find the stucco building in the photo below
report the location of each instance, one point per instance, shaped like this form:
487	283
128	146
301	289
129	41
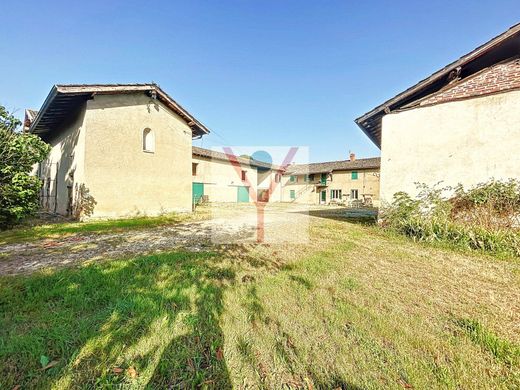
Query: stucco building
459	125
126	149
117	150
353	181
217	179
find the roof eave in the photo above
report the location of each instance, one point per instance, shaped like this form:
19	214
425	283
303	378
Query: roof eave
437	76
50	97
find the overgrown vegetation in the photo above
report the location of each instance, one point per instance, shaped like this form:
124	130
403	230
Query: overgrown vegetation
19	190
485	217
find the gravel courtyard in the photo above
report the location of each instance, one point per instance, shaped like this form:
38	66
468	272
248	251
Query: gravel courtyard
226	224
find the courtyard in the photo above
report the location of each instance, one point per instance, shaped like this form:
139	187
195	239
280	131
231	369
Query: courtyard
187	301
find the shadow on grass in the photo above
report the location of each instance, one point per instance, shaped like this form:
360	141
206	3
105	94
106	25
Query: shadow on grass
345	214
156	314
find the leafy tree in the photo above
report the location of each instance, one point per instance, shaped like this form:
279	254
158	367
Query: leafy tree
19	152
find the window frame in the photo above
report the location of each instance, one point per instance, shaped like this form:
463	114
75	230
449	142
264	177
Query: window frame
148	132
293	179
194	169
356	192
292	194
337	192
354	175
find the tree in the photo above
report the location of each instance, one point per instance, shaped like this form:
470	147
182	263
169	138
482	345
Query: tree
19	152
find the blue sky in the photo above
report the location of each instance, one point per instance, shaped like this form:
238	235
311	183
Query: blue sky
255	72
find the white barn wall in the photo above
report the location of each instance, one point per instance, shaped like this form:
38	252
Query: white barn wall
467	141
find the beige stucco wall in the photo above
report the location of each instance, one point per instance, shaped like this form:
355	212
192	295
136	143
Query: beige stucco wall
467	142
367	184
267	180
305	192
221	179
64	167
123	179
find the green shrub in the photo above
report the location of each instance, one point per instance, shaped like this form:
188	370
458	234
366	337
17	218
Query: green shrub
19	152
484	217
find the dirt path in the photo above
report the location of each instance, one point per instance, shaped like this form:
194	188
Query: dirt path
236	224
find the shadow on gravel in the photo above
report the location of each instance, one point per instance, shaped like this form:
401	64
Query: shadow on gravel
360	216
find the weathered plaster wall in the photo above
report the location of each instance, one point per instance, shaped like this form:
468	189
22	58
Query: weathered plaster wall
221	179
306	192
64	166
367	184
467	141
125	180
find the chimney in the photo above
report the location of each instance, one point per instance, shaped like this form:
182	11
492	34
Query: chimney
352	156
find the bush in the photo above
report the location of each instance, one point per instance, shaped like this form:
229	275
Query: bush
484	217
19	152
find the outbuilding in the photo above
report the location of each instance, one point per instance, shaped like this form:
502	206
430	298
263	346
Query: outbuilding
459	125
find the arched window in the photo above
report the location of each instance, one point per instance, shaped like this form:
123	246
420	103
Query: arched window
148	140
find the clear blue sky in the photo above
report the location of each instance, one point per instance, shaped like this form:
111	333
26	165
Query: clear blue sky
255	72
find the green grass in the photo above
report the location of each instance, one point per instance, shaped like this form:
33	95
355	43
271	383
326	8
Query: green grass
501	349
55	230
352	309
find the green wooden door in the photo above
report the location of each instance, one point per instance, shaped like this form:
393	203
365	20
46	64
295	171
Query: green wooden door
197	191
242	194
323	196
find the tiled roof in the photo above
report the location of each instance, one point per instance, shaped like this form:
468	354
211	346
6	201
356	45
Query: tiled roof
343	165
31	114
213	154
63	98
500	48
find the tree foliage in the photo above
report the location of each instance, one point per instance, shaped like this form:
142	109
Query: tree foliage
19	152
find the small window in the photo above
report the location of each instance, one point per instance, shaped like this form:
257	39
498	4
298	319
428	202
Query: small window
293	194
243	175
307	178
277	178
354	175
354	194
194	169
292	179
335	194
311	177
148	141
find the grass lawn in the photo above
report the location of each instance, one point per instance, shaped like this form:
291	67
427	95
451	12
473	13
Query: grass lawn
355	308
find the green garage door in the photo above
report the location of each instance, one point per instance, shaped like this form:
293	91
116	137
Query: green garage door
197	191
242	194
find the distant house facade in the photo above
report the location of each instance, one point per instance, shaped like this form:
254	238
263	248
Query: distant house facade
117	150
350	182
218	177
460	125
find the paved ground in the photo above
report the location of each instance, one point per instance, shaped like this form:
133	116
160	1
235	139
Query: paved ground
229	224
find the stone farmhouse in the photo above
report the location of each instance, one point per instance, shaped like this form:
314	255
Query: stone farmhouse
459	125
126	149
352	182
